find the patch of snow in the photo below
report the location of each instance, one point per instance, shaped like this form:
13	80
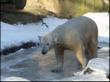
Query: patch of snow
13	78
16	34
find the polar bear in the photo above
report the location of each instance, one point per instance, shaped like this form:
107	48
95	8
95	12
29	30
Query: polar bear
79	34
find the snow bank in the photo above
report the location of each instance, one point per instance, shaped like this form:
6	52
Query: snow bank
18	33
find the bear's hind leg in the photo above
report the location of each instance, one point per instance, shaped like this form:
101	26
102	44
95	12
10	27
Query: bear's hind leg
80	55
59	53
92	50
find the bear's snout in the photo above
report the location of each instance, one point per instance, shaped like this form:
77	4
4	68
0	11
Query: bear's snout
44	50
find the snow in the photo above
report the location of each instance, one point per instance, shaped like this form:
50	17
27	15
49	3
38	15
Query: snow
14	78
18	33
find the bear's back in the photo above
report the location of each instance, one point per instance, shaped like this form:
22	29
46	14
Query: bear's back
76	29
77	24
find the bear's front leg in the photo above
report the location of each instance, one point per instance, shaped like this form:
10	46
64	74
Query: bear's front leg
59	53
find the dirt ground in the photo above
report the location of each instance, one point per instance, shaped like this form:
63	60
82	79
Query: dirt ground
30	13
32	65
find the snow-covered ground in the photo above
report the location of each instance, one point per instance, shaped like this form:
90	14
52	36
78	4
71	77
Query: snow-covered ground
18	33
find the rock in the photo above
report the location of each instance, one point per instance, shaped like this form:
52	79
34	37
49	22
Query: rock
97	69
96	66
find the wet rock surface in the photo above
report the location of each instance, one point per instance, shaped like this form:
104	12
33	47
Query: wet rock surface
31	65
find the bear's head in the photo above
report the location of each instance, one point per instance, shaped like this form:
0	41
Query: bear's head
46	43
